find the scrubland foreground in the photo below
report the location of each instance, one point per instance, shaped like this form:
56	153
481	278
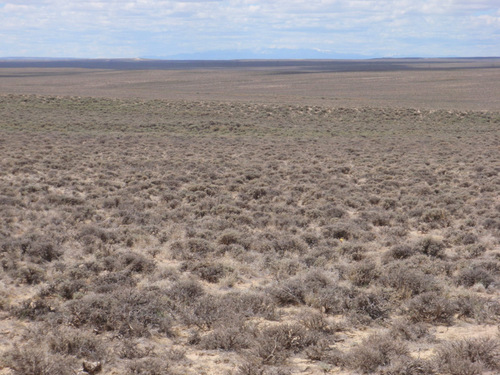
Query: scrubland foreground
195	237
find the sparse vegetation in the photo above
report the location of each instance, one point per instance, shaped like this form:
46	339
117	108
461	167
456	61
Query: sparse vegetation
190	237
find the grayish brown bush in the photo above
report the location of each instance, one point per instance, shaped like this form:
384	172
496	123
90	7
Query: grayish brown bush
38	361
431	247
376	352
206	224
83	345
431	307
276	343
130	312
469	356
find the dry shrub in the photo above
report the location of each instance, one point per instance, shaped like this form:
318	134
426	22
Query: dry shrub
378	219
131	349
288	244
400	251
475	274
315	321
409	331
491	223
340	232
185	291
64	200
481	309
468	239
432	266
316	280
230	336
4	303
208	271
34	248
110	282
209	310
364	272
405	365
375	352
68	288
149	366
370	305
303	288
32	360
289	292
407	281
474	251
311	239
276	343
194	248
353	251
335	300
436	216
90	234
230	237
277	370
323	351
320	256
469	356
297	224
431	307
205	312
30	274
133	262
130	312
431	247
43	251
251	366
332	211
250	304
34	309
83	345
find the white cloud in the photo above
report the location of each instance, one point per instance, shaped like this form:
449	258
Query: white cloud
168	27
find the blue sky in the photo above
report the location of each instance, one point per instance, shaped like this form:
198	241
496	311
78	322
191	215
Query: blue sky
138	28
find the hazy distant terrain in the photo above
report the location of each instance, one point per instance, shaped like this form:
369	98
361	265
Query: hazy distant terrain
250	217
297	65
416	83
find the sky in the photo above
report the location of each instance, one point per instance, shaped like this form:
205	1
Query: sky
252	28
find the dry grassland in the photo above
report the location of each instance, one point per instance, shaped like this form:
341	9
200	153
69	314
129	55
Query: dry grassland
466	84
248	231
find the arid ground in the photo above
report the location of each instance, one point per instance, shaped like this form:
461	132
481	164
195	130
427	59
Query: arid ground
259	219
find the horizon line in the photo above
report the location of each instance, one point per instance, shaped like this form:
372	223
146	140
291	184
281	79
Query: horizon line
166	58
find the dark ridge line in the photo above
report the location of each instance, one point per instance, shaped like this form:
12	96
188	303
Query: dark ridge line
280	66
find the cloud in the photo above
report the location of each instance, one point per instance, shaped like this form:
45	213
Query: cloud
164	27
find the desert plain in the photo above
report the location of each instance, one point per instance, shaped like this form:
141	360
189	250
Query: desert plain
250	217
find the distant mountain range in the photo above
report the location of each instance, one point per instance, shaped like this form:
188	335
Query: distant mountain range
267	54
24	58
283	60
228	55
